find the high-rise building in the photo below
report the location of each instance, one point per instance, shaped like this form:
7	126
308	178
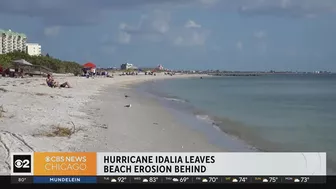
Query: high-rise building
33	49
12	41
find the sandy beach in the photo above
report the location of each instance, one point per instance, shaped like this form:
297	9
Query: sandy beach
91	116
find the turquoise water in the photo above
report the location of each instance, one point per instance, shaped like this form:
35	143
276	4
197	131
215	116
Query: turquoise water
272	113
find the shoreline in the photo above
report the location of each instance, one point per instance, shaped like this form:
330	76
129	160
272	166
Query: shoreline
230	124
191	118
35	117
145	127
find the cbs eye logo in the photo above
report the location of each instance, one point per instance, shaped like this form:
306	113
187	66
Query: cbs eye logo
22	163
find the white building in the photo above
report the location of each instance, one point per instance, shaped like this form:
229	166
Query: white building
12	41
33	49
127	66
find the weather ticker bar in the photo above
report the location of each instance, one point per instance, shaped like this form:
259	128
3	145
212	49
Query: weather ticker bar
167	179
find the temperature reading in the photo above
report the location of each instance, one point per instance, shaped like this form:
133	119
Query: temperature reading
273	179
213	179
153	179
304	179
22	179
184	179
242	179
121	179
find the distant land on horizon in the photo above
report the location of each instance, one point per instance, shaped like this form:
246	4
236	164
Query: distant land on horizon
231	71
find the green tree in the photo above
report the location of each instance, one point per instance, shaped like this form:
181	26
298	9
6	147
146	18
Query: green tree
58	66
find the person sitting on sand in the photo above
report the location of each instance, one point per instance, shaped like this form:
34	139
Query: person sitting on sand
52	83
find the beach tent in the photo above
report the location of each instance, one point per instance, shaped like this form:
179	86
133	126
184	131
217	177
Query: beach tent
22	62
89	65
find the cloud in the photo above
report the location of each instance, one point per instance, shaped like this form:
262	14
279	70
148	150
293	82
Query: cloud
125	33
108	49
239	45
88	12
191	39
161	22
156	27
52	31
152	26
192	24
260	34
184	36
80	12
124	37
209	2
288	8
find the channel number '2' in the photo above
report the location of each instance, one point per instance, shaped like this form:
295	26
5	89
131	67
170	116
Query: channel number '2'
22	164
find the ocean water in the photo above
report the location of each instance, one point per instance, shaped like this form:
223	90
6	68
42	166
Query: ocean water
271	113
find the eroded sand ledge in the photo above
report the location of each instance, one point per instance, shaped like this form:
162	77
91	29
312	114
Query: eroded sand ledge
92	113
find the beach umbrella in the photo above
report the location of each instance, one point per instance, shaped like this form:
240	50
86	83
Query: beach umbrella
89	65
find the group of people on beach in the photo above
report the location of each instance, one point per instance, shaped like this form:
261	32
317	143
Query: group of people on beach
11	72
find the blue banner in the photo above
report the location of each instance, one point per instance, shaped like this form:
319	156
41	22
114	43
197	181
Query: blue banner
65	180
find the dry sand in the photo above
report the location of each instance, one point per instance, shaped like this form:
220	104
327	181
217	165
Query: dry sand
88	117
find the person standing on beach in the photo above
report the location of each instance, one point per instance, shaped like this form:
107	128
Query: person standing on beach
93	71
